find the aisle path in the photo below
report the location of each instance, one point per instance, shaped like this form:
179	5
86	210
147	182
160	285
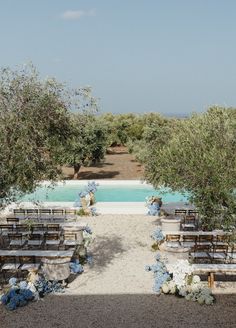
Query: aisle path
121	249
116	292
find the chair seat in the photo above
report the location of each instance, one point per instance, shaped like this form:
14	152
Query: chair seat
220	243
17	242
187	243
52	242
69	243
173	244
200	255
218	256
188	225
35	242
29	266
206	243
10	266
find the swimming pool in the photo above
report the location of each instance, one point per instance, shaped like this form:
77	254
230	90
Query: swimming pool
132	192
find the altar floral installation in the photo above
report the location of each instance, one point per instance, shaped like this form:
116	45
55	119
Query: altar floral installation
179	280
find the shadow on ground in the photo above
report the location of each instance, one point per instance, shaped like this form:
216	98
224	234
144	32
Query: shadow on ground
121	311
97	175
104	250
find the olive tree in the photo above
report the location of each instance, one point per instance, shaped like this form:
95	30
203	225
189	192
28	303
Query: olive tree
197	156
86	144
33	120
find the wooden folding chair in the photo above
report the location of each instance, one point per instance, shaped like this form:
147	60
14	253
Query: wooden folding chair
188	241
189	223
205	240
52	240
69	239
19	213
219	253
200	253
70	214
9	265
53	227
12	220
58	215
16	240
28	263
180	212
45	214
193	212
172	240
35	240
38	228
32	213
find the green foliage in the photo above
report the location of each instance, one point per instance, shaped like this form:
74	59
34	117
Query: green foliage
33	119
39	130
122	128
86	143
197	155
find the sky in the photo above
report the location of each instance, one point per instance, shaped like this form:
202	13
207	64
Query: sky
174	57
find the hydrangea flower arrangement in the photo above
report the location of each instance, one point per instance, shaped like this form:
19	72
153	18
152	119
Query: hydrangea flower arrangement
83	193
158	236
153	204
92	187
44	286
87	236
21	293
179	280
161	275
18	295
76	267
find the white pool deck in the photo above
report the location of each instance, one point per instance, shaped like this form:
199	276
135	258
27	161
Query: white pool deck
102	207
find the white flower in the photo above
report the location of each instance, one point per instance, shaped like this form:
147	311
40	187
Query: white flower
196	279
165	288
201	300
183	291
188	297
209	300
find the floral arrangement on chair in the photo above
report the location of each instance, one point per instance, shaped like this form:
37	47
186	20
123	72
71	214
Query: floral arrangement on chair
179	280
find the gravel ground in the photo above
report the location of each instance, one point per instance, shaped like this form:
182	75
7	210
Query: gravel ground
116	291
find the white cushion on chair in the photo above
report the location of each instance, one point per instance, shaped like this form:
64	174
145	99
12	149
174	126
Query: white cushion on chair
29	266
10	266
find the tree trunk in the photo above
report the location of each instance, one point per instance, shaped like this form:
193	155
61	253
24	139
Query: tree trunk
77	167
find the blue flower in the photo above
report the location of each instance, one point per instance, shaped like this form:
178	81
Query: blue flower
89	260
93	211
23	284
12	281
11	305
83	193
88	230
157	235
4	299
27	294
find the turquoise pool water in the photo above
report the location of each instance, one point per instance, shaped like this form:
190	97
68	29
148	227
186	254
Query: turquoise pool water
128	193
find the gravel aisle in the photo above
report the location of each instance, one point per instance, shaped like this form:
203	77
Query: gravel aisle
116	291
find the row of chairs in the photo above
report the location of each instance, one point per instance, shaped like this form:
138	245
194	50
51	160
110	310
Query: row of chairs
44	213
189	219
24	227
14	266
39	235
186	212
47	240
205	247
